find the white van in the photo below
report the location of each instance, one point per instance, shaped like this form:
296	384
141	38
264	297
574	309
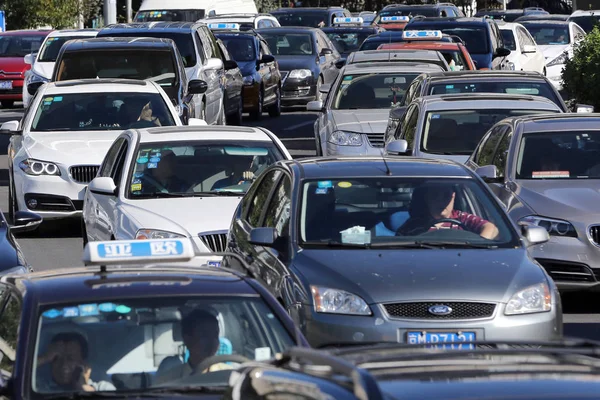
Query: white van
190	10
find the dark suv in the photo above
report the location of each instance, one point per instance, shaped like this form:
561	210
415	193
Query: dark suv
412	10
314	17
481	36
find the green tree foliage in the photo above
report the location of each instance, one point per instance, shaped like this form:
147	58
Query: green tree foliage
580	74
59	14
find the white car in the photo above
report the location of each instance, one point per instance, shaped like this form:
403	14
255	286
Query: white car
245	21
176	182
57	147
586	19
556	39
524	55
42	62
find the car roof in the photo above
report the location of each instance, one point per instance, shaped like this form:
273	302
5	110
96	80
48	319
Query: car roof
448	21
546	22
350	28
213	132
585	12
118	42
74	32
415	67
99	85
486	100
424	45
294	29
484	75
387	55
27	32
558	122
165	26
373	166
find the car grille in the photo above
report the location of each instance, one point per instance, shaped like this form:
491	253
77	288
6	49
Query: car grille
460	310
215	241
376	139
564	271
83	173
595	234
14	90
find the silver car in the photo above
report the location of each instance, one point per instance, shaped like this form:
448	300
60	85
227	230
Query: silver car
450	126
354	115
545	169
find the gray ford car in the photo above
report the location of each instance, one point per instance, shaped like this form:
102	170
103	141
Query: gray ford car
545	169
405	250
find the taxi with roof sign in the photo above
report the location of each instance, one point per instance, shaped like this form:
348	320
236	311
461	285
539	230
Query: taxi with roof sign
348	33
130	323
393	22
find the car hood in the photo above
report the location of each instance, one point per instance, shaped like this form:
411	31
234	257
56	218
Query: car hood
13	64
70	148
43	69
188	215
289	63
361	121
566	199
552	51
380	276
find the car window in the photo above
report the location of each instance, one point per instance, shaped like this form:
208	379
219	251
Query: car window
455	59
408	128
278	211
241	48
117	173
19	45
114	111
586	22
371	91
110	159
264	48
548	34
196	168
510	42
476	38
161	14
261	196
10	320
486	150
579	34
301	18
290	44
501	154
347	42
49	50
527	39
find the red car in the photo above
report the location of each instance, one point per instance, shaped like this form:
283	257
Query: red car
14	46
456	52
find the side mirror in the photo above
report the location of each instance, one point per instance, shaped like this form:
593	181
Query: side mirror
213	63
29	59
502	52
325	88
316	105
326	52
584	109
230	64
10	127
397	147
267	58
196	122
263	236
32	88
197	86
535	234
340	63
489	173
528	48
25	221
103	185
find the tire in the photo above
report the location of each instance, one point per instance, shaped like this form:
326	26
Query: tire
236	119
84	233
7	103
275	108
256	114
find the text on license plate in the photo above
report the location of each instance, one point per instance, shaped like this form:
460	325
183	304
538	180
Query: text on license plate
444	340
6	85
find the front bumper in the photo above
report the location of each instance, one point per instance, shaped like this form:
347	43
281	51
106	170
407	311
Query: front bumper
326	329
372	146
554	75
16	93
297	93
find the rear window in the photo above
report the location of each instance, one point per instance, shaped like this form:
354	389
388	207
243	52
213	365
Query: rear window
476	38
169	15
310	19
587	22
144	64
19	46
51	48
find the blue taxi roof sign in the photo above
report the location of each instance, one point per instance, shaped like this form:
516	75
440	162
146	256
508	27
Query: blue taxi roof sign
395	18
422	35
224	26
152	251
348	21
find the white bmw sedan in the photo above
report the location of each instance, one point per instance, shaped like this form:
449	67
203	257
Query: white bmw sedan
57	147
176	182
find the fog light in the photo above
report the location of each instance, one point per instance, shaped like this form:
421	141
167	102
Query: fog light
32	203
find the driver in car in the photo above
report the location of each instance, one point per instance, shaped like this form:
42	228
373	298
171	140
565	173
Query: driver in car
438	213
238	171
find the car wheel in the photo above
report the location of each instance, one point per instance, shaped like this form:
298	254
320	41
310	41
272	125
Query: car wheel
256	114
7	103
12	203
84	233
275	108
236	118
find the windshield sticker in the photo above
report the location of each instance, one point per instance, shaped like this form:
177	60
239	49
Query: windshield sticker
58	98
88	309
321	191
348	78
325	184
122	309
107	307
52	313
48	99
345	185
138	174
356	235
435	116
155	159
136	187
550	174
137	181
449	86
142	160
69	312
152	165
83	124
262	353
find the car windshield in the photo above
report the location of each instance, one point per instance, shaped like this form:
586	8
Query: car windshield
542	89
169	15
101	112
50	49
388	211
241	48
289	44
299	18
183	41
151	343
407	12
559	155
19	46
371	90
508	37
149	64
200	168
548	34
458	132
475	39
347	42
586	22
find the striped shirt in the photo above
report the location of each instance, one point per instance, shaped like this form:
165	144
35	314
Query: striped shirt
471	222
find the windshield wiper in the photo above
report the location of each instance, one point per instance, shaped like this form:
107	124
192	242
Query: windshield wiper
403	244
425	244
335	243
158	195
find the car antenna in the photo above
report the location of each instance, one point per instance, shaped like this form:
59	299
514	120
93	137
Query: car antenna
388	171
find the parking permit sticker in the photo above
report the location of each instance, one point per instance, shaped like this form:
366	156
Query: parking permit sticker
152	165
435	116
48	99
324	184
53	313
142	160
155	159
262	353
107	307
550	174
345	185
69	312
88	310
136	186
58	98
321	191
348	78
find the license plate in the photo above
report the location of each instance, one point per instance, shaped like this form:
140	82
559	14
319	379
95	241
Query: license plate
443	340
6	85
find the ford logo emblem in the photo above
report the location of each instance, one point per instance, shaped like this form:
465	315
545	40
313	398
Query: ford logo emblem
440	310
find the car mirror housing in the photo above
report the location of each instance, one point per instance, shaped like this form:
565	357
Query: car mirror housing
502	52
487	172
263	237
316	105
340	63
197	86
32	88
326	52
230	64
11	126
103	185
535	234
213	63
25	221
29	59
584	109
267	58
397	147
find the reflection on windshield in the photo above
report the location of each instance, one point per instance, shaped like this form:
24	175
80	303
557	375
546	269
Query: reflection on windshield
395	210
559	155
169	15
298	18
548	34
347	42
459	132
407	12
509	39
151	343
371	90
289	44
101	112
185	169
586	22
240	48
19	46
49	51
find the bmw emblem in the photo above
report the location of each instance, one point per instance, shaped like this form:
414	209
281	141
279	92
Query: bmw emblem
440	309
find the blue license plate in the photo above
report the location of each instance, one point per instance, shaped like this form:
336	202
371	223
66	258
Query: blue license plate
214	263
6	85
443	340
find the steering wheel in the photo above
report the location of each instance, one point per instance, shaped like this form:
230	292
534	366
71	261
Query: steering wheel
210	361
451	221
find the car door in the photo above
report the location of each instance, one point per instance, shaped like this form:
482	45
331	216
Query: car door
486	153
535	61
233	83
266	71
327	61
215	79
11	309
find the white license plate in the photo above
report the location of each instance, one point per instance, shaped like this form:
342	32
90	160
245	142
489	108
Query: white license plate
6	85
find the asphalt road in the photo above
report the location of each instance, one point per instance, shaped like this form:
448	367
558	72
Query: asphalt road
59	246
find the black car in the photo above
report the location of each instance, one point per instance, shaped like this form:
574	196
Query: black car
154	59
546	17
12	260
313	17
412	10
142	327
349	38
306	59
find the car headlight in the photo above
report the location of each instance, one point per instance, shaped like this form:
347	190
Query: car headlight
300	74
249	80
335	301
37	167
532	299
15	270
558	60
511	66
555	227
144	234
342	138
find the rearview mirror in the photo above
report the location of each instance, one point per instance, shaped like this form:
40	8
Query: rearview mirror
213	63
197	86
263	236
230	64
25	221
397	147
196	122
103	186
316	105
326	52
584	109
340	63
535	234
502	52
529	48
29	59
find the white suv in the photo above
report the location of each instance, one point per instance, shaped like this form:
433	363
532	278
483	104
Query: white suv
246	21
